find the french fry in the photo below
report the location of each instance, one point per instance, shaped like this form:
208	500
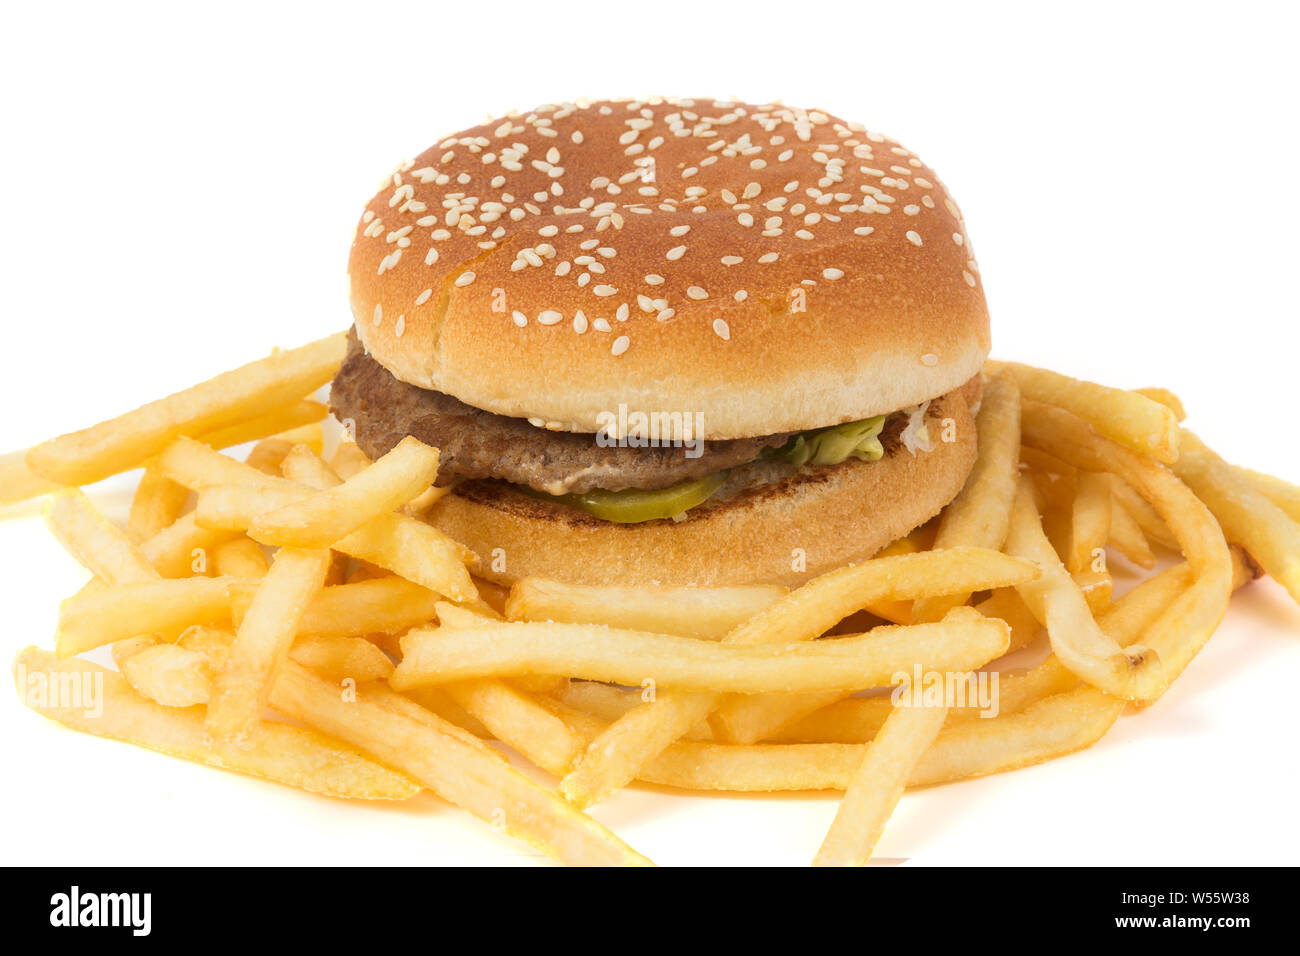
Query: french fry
980	515
92	619
817	606
158	502
413	550
378	606
18	482
465	615
349	460
425	707
1140	510
1128	418
278	421
1058	603
267	455
440	759
240	558
341	658
1282	493
172	675
213	643
1047	729
181	548
515	718
404	545
425	500
494	595
234	508
595	652
878	783
330	515
262	643
806	613
1248	517
122	443
104	550
1006	604
282	753
1090	522
1166	398
1097	587
706	613
609	702
436	701
1188	623
856	720
96	544
307	468
310	436
1126	537
196	466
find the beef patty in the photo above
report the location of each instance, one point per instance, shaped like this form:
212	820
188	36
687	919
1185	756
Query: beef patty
474	443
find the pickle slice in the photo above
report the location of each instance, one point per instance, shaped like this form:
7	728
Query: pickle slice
633	505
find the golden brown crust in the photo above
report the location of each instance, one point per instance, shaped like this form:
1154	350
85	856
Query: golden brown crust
842	324
831	516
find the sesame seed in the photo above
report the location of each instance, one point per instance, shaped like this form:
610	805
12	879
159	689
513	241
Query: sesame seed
741	295
675	253
520	319
833	274
722	329
695	292
930	359
400	327
622	312
600	324
378	314
676	231
732	260
768	257
423	297
464	279
913	237
579	322
549	317
653	279
604	290
911	210
620	345
970	279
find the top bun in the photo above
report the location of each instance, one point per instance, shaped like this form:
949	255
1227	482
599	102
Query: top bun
770	268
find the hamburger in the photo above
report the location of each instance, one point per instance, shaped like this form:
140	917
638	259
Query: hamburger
673	341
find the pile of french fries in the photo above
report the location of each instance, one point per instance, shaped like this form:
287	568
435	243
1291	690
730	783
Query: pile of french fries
241	593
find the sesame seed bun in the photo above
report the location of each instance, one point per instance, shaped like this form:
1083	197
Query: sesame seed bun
770	268
832	516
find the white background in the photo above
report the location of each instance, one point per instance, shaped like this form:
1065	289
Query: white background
179	187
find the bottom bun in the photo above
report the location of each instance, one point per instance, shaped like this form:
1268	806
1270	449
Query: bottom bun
784	532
